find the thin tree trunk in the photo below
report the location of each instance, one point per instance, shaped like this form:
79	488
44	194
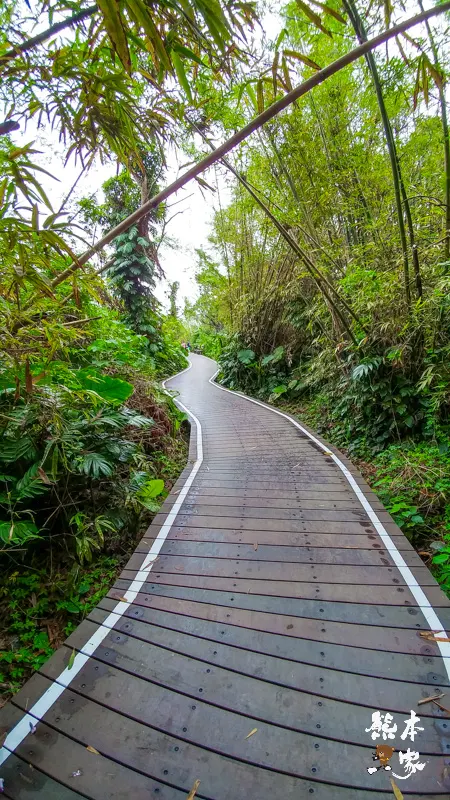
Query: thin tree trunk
313	270
359	29
443	105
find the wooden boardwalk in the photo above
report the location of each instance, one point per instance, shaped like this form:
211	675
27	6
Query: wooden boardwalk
272	596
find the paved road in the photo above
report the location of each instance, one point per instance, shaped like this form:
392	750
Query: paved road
271	610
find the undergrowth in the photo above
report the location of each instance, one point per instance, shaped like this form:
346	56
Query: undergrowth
44	599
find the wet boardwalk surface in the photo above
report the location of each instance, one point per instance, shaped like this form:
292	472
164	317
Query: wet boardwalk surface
268	597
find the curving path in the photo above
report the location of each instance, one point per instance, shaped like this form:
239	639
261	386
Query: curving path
272	607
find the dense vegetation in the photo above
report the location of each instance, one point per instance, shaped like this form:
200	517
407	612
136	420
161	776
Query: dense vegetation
90	444
327	290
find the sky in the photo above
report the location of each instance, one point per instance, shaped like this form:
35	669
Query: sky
188	229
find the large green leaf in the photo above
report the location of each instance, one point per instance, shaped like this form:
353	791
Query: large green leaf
246	356
111	389
148	492
95	465
18	532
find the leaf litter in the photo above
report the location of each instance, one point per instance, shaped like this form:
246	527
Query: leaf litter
430	699
396	790
251	733
432	636
193	791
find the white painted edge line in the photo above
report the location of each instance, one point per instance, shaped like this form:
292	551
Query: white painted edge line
28	722
412	584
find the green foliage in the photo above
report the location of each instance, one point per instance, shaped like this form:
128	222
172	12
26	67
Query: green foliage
103	87
111	389
132	277
39	609
240	368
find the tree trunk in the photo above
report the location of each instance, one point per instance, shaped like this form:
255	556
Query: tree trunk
359	29
444	117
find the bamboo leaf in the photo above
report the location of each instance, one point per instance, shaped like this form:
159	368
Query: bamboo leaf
416	87
185	51
3	188
71	659
252	96
286	74
143	17
402	52
304	59
181	75
35	217
193	791
260	96
396	790
313	17
331	11
205	185
114	27
275	70
425	82
388	9
282	35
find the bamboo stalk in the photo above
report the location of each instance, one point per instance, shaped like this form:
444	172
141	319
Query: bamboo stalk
30	44
399	189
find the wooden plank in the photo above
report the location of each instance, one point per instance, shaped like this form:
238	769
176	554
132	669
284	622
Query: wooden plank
233	756
352	635
312	494
362	614
22	779
261	523
263	501
339	593
362	541
423	669
237	482
345	686
292	555
152	672
71	771
279	514
282	571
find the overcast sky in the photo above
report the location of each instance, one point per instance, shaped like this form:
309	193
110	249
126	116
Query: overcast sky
190	228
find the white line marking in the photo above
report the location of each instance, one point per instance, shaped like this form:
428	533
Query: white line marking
412	584
39	709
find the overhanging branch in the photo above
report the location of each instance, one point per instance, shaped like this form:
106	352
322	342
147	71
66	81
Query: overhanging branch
244	133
